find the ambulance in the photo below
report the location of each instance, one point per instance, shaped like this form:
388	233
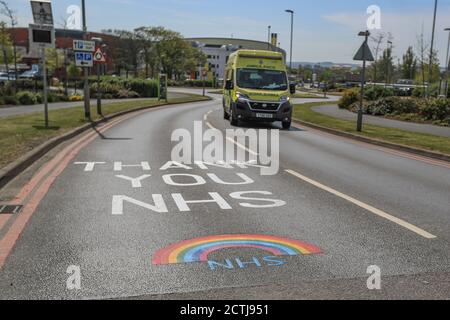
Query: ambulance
257	88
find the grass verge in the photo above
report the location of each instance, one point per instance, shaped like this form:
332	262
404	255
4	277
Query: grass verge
304	112
21	134
309	96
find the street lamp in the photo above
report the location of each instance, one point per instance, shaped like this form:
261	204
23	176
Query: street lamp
430	71
447	62
87	102
388	65
366	35
292	35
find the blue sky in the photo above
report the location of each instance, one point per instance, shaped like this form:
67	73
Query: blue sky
325	30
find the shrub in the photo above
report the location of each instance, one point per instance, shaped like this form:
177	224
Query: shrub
376	92
144	88
113	86
11	100
39	97
75	98
26	98
350	97
435	109
392	105
127	94
2	101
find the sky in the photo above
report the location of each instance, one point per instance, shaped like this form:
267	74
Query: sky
324	30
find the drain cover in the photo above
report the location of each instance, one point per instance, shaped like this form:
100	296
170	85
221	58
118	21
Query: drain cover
10	209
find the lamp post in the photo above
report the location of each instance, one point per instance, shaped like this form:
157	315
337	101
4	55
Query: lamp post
447	61
430	71
87	102
388	66
292	36
366	35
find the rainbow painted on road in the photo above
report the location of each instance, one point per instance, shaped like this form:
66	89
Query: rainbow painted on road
198	250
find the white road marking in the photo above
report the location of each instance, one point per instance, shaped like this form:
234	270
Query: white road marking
365	206
228	138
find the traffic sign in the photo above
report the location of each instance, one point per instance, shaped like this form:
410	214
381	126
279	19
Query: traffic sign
82	45
42	36
84	59
364	53
42	12
99	56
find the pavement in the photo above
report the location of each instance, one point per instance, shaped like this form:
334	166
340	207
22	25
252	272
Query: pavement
334	111
351	205
21	110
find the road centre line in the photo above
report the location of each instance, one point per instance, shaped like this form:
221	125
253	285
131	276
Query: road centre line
228	138
365	206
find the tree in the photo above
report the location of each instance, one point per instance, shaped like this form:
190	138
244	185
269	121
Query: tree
74	73
6	56
422	48
386	64
378	39
409	65
127	52
10	14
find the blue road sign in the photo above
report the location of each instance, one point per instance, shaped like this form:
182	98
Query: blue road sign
84	59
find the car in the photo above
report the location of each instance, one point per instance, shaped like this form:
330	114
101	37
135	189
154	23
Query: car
257	88
4	77
31	75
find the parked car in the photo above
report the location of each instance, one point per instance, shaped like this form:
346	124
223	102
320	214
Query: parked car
31	75
4	77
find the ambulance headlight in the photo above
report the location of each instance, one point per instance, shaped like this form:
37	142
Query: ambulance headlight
242	97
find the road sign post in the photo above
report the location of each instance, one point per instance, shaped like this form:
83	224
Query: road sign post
84	57
99	59
364	54
162	87
42	35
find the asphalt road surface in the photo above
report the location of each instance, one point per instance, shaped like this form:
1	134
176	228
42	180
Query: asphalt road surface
350	205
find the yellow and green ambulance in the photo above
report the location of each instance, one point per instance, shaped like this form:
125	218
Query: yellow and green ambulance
257	88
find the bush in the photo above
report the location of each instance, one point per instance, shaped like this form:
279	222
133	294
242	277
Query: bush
127	94
76	98
350	97
114	87
435	109
39	97
2	101
393	106
11	100
26	98
377	92
144	88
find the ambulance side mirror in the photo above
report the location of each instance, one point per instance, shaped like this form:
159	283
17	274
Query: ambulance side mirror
229	85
